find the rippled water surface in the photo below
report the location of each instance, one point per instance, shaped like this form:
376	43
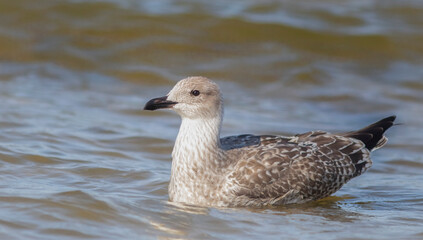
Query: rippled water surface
79	159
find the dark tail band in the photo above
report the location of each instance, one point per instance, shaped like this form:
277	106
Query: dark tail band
373	135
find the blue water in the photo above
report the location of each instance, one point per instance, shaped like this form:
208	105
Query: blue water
79	159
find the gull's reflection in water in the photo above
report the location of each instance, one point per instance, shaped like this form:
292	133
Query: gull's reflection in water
178	220
333	208
187	208
182	220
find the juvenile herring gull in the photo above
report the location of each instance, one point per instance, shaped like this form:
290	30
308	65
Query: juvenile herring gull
252	170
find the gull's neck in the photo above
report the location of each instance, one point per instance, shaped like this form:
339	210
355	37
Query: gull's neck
196	160
198	140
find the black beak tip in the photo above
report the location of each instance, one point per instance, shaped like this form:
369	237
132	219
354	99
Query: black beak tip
157	103
149	107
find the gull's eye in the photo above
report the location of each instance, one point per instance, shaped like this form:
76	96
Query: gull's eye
195	92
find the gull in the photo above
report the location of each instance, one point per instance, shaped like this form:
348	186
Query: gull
256	170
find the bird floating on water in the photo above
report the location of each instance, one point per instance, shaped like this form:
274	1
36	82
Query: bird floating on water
254	170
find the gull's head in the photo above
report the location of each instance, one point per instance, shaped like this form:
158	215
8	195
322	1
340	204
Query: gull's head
193	97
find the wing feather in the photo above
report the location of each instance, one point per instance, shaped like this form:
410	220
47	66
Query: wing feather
304	167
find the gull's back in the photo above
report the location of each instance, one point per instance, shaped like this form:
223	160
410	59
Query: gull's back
274	170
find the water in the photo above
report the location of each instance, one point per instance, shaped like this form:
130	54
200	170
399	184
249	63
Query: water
80	160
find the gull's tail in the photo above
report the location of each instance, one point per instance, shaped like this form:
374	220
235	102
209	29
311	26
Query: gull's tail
373	135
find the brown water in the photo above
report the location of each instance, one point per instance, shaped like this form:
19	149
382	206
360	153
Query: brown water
80	160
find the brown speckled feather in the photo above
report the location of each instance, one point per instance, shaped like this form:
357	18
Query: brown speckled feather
308	166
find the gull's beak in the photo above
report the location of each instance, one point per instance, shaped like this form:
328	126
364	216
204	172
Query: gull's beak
157	103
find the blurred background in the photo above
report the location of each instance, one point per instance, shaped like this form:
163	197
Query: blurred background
80	159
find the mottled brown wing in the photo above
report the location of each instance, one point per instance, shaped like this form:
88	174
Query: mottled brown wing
309	166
